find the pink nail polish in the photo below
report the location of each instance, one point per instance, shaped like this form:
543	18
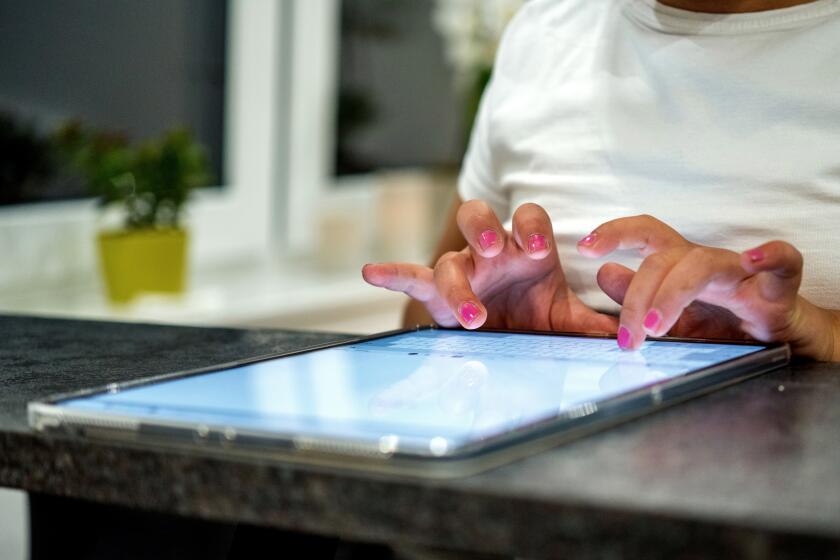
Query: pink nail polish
623	337
487	239
652	320
755	255
589	239
536	243
469	311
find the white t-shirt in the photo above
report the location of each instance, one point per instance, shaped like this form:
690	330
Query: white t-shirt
726	127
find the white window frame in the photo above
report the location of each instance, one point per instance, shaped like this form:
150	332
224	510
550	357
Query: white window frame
311	188
53	242
312	71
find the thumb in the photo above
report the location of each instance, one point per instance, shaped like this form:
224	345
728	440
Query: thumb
614	279
782	264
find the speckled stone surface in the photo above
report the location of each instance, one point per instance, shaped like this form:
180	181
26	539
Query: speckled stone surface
750	471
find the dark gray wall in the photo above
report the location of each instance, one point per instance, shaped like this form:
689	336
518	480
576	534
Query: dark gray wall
138	66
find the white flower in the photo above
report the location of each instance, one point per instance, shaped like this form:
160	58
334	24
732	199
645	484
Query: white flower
471	30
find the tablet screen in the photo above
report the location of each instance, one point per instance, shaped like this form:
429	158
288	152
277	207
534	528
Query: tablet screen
434	385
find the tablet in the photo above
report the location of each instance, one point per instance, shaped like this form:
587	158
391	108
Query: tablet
429	402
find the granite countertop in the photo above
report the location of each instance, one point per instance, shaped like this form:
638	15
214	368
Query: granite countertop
752	470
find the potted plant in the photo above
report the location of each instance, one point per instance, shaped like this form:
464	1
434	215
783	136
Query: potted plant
151	184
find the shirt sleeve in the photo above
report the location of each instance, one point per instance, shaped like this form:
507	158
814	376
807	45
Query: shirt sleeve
481	170
478	179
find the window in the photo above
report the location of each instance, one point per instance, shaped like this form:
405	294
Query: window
131	69
396	104
369	91
49	244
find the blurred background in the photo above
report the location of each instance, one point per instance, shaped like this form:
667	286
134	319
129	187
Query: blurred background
221	162
287	143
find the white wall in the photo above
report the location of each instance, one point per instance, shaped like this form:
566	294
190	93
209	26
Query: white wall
14	525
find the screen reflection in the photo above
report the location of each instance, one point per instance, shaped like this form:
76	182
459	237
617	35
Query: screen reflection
427	384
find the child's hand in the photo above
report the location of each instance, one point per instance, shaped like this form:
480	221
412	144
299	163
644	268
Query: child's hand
755	292
501	280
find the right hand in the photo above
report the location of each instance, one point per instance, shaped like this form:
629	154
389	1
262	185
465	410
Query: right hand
506	280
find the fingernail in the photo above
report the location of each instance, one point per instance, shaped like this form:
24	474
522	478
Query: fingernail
536	243
623	337
652	320
487	239
469	311
755	255
589	239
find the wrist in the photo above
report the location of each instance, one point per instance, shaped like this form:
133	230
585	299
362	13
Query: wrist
816	332
835	332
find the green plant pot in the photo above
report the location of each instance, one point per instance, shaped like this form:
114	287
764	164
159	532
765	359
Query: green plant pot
139	261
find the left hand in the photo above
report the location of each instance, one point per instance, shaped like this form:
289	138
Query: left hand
509	280
687	289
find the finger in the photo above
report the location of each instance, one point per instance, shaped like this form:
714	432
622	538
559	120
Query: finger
701	268
613	279
532	231
414	280
637	317
452	283
481	228
782	261
645	233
